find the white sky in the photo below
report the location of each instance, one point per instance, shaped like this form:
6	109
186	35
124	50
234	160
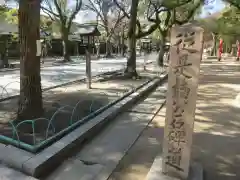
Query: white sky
81	17
85	16
2	2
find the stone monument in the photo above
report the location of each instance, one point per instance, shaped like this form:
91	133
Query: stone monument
185	57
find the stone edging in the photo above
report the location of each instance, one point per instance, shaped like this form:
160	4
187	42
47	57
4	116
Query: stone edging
38	164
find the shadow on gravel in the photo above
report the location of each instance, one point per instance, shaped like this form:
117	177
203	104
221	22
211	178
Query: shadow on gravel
63	107
121	77
62	110
216	142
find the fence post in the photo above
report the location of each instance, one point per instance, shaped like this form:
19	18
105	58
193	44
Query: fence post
88	69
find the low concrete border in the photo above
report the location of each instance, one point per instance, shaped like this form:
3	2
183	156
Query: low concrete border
155	173
211	57
37	165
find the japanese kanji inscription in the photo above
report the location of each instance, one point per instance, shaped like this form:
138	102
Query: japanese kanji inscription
184	67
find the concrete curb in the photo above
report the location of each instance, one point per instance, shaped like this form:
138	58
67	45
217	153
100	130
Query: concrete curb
211	57
10	174
155	173
38	165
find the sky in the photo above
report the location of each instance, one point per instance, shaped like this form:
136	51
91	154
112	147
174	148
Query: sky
216	5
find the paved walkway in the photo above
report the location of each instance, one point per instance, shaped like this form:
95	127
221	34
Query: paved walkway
108	89
216	142
217	124
217	128
56	75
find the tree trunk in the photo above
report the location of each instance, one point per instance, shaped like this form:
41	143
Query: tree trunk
122	44
5	59
232	51
131	60
30	101
4	54
108	49
65	43
162	49
98	51
214	49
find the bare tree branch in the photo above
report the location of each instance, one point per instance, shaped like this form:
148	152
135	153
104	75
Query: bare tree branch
60	12
73	15
93	8
122	9
49	13
189	14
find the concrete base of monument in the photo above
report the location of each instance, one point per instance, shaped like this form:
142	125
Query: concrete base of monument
155	173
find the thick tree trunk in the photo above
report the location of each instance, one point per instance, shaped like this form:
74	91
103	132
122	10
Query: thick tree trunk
232	51
131	60
98	51
108	49
65	43
5	59
122	43
4	54
108	46
162	50
122	50
30	101
214	49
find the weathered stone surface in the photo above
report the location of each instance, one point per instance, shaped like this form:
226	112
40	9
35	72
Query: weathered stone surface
196	171
74	170
38	163
151	103
14	157
185	57
2	147
155	173
10	174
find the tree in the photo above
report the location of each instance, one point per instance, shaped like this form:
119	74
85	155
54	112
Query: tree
178	14
212	26
152	11
235	3
120	35
30	100
135	31
63	12
223	25
109	15
11	15
8	23
229	26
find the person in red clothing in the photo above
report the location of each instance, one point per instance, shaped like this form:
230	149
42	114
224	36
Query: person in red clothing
238	50
220	50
